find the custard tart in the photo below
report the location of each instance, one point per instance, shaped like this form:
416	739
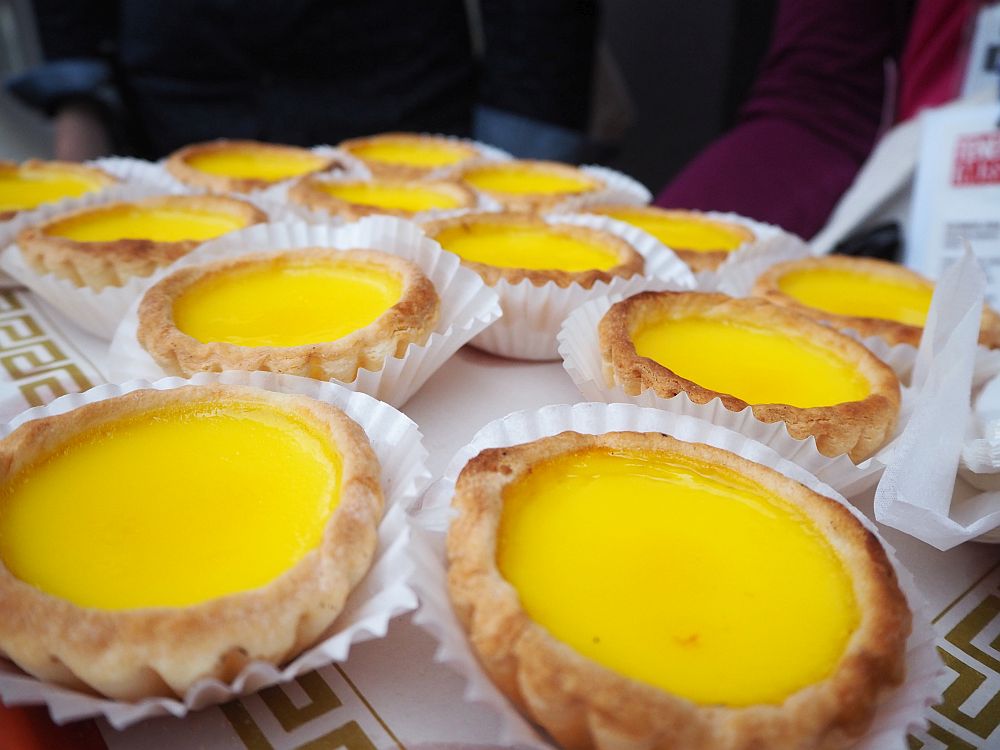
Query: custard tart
155	539
528	185
872	297
107	245
225	166
354	199
632	590
26	186
747	352
316	312
410	156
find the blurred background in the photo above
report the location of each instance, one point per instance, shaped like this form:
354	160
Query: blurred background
669	108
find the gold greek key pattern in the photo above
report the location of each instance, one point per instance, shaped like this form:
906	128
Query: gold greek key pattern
275	717
968	716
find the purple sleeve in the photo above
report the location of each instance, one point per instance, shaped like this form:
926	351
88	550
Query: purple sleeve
812	117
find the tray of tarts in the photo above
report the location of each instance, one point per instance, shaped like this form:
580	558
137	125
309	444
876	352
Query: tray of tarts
108	244
868	296
234	166
30	184
414	156
125	612
351	199
318	312
715	661
747	352
703	241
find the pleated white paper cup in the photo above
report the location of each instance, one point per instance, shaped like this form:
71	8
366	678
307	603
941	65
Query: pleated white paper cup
383	594
580	350
467	304
99	312
532	315
902	712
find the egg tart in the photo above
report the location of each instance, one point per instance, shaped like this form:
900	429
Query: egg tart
243	166
408	156
154	539
26	186
869	296
354	199
106	245
316	312
747	352
618	590
527	185
701	241
517	246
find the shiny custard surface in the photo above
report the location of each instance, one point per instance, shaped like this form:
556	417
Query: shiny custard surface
171	507
396	197
859	295
286	303
247	163
525	246
677	573
136	222
680	233
410	153
756	364
524	179
24	188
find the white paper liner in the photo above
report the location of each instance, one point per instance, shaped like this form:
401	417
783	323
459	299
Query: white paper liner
581	354
533	314
467	304
902	712
100	312
980	460
383	594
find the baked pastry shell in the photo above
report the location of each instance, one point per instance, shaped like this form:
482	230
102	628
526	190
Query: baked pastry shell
131	654
308	192
102	178
630	262
583	704
410	321
594	184
857	428
696	260
177	164
102	264
470	150
891	331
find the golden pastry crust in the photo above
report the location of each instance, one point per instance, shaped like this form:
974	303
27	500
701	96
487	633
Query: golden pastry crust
131	654
409	321
891	331
858	428
355	146
585	705
101	264
630	261
99	176
696	260
178	165
309	192
536	202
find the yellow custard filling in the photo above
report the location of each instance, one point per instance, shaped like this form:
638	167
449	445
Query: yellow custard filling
756	364
677	573
525	246
682	234
391	196
410	153
145	223
25	188
859	295
171	507
286	303
520	179
255	164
